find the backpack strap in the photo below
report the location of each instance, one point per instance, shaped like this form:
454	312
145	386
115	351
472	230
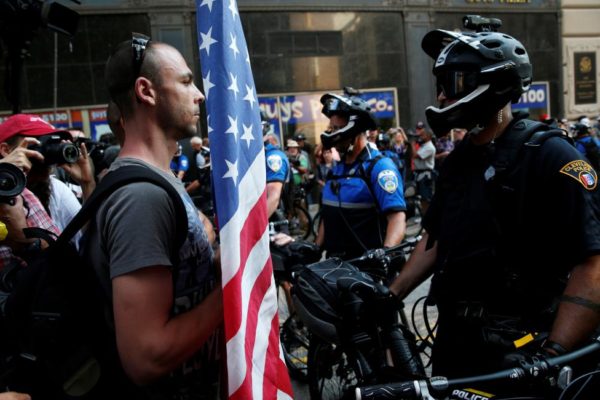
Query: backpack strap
516	152
119	178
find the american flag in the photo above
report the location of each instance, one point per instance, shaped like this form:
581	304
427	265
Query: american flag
255	366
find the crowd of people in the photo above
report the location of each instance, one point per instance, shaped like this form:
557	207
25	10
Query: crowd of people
491	211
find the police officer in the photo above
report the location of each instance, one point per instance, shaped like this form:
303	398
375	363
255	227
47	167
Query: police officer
277	167
513	229
363	200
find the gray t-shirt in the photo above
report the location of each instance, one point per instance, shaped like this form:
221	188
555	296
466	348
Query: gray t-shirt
135	228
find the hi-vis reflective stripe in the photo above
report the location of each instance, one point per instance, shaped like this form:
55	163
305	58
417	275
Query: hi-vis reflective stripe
334	203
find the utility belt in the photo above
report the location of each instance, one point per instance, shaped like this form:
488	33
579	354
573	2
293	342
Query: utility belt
498	330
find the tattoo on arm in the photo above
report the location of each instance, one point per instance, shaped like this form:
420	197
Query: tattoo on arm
581	302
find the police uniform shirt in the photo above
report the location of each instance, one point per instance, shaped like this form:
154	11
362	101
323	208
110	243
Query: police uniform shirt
474	216
354	210
277	164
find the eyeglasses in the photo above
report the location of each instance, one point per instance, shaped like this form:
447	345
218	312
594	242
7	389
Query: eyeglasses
139	42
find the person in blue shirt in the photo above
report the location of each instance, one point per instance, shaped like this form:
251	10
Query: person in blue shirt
277	168
587	144
179	163
363	198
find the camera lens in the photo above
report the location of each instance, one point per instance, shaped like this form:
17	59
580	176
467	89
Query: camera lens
70	153
12	181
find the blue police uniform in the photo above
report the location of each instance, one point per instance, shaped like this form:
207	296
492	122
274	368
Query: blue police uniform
356	199
391	154
278	165
179	163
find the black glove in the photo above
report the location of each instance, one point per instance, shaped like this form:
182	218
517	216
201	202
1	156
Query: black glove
536	356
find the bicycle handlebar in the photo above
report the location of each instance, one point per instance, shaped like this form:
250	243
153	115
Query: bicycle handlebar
377	254
419	389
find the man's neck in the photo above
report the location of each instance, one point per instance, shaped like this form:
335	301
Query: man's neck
149	143
359	144
495	128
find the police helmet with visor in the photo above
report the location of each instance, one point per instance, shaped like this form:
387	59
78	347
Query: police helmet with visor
354	109
478	73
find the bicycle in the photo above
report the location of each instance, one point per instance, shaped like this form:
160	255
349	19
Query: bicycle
300	221
294	335
358	331
553	371
414	213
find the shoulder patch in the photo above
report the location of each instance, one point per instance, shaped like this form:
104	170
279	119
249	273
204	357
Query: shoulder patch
582	172
388	180
274	162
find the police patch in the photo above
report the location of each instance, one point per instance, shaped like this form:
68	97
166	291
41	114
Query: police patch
582	172
388	180
274	162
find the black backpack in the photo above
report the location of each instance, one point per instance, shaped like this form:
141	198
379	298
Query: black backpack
56	335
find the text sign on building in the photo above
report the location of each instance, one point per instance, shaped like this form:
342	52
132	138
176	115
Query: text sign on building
98	123
305	108
536	101
585	77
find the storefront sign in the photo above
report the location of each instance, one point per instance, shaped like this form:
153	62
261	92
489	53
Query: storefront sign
536	101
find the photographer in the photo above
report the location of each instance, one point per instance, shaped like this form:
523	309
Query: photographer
21	211
55	149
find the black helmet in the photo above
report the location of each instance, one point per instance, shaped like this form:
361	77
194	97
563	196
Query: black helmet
299	136
354	108
481	70
383	140
580	129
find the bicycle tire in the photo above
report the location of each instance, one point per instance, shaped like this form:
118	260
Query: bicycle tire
316	222
295	343
300	222
414	225
330	375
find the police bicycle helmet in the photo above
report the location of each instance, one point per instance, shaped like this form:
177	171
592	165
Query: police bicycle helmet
482	71
358	112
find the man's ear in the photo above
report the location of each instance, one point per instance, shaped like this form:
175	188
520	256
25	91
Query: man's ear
5	149
144	90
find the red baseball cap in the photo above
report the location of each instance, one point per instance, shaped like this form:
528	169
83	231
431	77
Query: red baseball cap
25	125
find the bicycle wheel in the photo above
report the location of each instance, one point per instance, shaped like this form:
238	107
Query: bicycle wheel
295	343
300	223
413	223
316	222
330	376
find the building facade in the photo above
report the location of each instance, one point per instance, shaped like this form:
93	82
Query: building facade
296	47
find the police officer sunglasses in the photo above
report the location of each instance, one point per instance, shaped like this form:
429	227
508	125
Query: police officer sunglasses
139	43
456	84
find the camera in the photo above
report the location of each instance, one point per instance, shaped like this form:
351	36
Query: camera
18	15
12	182
101	152
481	24
56	151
